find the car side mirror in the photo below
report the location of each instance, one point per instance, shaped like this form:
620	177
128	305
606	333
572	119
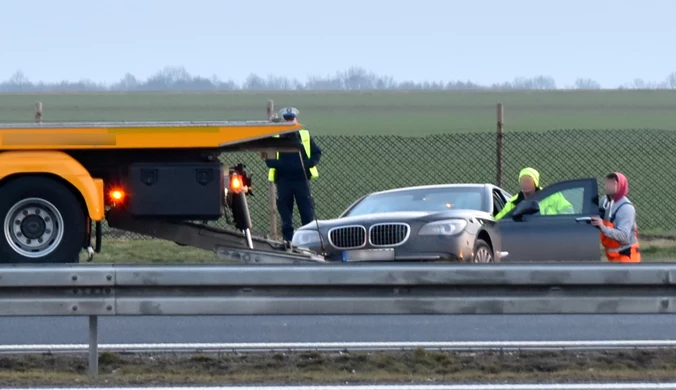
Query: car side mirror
527	207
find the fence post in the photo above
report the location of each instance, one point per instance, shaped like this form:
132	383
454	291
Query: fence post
499	145
38	112
272	189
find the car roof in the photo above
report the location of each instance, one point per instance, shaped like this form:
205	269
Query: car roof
434	186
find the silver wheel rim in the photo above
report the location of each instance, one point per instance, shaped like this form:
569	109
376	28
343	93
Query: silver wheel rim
483	255
33	228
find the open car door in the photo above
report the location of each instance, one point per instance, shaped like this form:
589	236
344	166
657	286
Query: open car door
529	236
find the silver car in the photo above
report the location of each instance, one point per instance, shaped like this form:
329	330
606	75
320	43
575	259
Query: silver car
455	222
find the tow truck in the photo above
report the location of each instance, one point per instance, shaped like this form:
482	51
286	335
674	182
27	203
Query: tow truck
60	181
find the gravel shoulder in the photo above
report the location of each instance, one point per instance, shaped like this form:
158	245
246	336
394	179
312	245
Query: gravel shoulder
335	367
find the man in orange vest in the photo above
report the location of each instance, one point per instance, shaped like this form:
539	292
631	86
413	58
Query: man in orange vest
619	232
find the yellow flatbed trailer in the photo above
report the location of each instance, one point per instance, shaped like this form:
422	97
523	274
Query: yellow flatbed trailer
152	178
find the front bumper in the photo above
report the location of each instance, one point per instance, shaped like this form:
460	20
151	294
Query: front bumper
418	248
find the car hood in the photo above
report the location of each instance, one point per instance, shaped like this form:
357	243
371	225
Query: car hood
404	216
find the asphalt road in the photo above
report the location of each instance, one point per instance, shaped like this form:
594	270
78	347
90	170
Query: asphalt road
54	330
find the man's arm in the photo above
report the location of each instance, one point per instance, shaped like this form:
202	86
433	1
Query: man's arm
624	222
502	213
508	207
563	206
316	154
272	163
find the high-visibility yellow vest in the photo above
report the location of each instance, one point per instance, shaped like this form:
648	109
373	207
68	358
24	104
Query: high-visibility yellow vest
305	140
552	205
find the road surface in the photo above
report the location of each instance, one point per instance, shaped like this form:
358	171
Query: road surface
242	329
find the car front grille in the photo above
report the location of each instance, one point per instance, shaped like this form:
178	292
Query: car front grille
347	237
388	234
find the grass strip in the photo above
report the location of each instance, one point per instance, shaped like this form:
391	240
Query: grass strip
125	251
340	367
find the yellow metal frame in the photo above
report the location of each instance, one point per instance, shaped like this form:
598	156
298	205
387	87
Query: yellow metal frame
137	135
28	148
59	164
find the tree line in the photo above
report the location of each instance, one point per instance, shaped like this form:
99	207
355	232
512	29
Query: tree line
353	79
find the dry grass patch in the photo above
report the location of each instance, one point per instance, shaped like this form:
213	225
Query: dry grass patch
335	367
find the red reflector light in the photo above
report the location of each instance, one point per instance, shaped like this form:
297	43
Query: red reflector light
235	183
116	195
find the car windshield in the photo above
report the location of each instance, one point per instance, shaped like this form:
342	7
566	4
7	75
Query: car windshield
422	199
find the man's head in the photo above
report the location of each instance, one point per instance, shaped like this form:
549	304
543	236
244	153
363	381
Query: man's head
289	114
616	185
529	180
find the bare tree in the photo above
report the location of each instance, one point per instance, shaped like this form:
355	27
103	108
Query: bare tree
354	78
671	80
583	83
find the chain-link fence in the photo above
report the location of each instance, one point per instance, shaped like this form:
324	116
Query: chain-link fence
352	166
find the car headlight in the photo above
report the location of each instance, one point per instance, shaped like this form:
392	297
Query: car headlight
305	237
446	227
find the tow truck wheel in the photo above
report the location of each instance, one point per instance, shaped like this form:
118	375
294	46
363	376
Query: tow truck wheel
43	222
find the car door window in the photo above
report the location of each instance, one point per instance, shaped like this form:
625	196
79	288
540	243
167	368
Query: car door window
570	201
571	197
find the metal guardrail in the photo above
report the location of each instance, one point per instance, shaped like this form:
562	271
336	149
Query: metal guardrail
107	290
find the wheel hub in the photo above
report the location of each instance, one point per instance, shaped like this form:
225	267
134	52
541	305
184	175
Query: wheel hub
34	227
483	255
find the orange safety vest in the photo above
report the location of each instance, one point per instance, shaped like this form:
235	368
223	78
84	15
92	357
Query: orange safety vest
614	254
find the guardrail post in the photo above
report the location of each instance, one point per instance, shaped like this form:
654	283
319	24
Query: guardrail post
93	367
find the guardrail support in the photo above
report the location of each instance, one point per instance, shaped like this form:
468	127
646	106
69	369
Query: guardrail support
93	366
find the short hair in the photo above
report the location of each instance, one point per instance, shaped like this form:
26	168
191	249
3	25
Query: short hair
612	176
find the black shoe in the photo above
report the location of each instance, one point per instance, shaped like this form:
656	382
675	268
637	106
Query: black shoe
287	244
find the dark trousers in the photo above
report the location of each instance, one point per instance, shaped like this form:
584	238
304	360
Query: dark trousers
287	191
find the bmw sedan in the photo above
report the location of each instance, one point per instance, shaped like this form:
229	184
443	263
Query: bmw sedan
455	222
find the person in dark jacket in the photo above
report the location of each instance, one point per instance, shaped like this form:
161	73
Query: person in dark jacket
292	177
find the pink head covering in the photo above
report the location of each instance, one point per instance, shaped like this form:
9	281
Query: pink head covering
622	186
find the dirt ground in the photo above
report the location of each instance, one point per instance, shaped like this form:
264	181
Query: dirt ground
336	367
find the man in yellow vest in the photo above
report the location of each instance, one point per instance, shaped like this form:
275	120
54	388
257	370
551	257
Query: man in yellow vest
292	175
529	183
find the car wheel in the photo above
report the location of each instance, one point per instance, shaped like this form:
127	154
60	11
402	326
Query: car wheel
482	252
43	222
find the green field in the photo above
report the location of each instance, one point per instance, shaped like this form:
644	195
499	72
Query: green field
379	140
358	113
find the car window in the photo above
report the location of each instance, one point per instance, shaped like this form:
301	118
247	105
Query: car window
424	200
564	202
566	198
498	202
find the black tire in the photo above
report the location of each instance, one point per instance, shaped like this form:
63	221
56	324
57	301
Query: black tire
51	206
482	252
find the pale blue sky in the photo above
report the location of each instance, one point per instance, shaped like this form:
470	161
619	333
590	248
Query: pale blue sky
484	41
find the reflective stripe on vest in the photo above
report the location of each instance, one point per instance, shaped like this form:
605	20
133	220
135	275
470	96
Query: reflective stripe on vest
305	140
615	251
